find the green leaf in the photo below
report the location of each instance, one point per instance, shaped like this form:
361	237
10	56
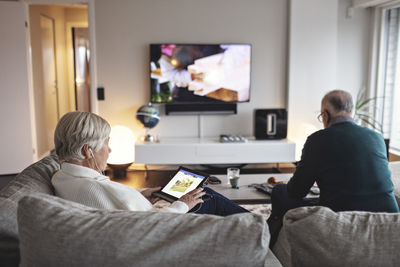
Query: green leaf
374	124
365	108
365	102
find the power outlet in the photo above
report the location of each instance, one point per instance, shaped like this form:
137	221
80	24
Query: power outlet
100	93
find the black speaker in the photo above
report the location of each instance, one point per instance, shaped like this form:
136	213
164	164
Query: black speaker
200	108
270	123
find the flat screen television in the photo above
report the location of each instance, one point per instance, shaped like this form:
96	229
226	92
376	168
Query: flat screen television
200	73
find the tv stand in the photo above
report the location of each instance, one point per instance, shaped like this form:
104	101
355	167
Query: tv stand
209	150
203	108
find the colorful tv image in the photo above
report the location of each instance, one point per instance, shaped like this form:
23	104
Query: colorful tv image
183	73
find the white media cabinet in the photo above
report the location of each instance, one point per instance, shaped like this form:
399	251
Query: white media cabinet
194	150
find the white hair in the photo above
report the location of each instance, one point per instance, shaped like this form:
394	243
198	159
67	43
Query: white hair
75	129
338	102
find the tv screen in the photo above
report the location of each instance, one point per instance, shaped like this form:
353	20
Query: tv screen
196	73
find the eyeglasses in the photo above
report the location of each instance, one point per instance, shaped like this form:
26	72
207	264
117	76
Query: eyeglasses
320	118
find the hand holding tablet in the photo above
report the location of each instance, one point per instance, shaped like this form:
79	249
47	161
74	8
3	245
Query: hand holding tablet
193	198
185	186
148	193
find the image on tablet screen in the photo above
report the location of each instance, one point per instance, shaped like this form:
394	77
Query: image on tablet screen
182	183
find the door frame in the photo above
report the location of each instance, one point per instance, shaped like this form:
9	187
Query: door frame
93	61
71	59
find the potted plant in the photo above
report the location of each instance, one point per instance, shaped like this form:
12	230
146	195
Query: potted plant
364	114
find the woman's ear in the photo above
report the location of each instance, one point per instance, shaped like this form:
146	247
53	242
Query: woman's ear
86	151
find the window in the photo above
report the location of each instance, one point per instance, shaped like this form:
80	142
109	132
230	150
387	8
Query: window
388	78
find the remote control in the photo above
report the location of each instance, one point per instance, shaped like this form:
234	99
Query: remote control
265	190
228	138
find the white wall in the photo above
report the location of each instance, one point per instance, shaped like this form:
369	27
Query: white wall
353	47
312	64
328	50
15	137
124	30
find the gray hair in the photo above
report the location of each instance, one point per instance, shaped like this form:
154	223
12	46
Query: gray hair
338	102
75	129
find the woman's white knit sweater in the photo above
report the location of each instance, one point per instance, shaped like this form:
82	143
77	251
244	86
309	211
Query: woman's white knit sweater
88	187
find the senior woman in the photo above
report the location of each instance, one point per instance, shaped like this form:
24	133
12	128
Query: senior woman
81	140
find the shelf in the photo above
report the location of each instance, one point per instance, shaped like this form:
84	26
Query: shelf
211	151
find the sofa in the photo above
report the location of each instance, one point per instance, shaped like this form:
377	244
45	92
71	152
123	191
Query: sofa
317	236
40	229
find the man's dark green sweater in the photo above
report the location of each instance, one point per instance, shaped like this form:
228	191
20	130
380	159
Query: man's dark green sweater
350	166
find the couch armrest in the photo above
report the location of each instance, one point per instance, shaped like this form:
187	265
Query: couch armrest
395	169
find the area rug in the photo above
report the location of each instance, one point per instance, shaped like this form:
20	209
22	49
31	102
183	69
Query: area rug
260	209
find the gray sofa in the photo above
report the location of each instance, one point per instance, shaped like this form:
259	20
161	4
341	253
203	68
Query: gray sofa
317	236
39	229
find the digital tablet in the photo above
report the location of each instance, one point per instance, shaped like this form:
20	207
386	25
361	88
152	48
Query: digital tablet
184	181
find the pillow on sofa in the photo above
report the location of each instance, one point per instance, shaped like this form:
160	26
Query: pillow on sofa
35	178
317	236
395	169
56	232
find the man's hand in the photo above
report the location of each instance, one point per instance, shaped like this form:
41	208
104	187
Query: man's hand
193	197
147	193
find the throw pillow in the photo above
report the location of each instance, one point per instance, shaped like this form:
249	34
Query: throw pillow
317	236
35	178
395	169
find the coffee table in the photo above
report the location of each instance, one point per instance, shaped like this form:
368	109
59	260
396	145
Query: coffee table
246	194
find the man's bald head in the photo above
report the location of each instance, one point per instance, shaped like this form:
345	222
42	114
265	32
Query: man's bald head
338	103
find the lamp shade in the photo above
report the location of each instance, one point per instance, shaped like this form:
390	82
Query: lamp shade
122	144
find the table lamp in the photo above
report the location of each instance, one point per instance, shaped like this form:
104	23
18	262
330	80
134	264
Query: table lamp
122	144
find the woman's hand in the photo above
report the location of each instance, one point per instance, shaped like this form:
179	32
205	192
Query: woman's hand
193	197
147	193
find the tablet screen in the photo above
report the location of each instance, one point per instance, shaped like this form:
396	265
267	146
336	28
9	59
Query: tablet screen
182	183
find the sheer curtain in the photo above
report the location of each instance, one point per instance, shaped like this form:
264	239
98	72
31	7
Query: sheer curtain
388	82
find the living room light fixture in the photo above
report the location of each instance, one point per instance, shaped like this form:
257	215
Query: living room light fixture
122	144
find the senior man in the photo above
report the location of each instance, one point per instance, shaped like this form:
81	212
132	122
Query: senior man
347	161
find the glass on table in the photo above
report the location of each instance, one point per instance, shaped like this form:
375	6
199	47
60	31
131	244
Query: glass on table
233	177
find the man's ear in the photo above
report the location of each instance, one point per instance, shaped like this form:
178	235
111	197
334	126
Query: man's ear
86	152
328	120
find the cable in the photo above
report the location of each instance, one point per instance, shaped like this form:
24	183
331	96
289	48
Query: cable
95	163
201	204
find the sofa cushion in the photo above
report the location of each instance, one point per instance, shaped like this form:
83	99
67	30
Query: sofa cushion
71	234
9	251
35	178
395	169
317	236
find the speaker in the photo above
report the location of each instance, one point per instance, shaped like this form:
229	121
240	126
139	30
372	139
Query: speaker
270	123
200	108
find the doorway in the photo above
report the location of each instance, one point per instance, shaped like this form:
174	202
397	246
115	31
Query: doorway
55	68
81	68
